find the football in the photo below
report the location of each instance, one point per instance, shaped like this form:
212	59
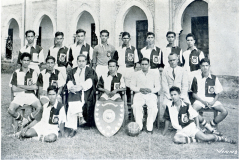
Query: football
133	129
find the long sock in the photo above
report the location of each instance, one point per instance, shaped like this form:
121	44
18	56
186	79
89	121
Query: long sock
207	125
213	123
191	140
19	117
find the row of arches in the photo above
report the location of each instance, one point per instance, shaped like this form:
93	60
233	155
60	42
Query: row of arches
134	17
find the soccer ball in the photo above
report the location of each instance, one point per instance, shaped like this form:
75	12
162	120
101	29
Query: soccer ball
133	129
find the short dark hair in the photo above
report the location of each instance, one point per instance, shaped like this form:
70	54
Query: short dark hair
25	54
204	60
81	31
104	31
113	60
171	32
173	53
126	34
135	64
174	88
50	57
82	55
59	34
150	33
29	31
144	59
190	35
51	87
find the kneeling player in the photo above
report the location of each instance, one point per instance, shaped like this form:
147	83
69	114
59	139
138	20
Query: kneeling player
53	119
23	83
112	83
181	115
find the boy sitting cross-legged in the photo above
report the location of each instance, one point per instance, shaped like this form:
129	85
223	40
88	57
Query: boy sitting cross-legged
182	117
112	83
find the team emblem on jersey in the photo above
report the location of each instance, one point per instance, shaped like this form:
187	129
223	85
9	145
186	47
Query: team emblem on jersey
156	59
130	57
211	89
116	85
185	118
29	81
194	59
54	83
62	57
55	119
35	57
108	54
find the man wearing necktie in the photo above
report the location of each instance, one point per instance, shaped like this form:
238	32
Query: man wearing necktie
81	84
174	76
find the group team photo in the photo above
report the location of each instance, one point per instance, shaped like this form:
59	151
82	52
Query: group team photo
81	92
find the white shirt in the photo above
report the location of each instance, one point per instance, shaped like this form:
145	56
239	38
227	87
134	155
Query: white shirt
121	55
173	113
201	81
46	113
36	56
146	52
140	80
186	58
46	76
76	51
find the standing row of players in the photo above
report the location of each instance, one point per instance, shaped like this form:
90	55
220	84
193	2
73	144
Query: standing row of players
73	68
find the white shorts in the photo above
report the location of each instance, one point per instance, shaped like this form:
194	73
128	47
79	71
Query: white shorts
43	128
210	99
188	131
104	95
25	98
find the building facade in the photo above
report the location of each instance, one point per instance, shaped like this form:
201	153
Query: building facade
213	22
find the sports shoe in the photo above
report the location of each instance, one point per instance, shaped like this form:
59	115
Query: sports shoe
225	139
216	132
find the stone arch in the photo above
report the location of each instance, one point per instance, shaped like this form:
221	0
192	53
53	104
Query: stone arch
124	11
38	21
177	26
79	13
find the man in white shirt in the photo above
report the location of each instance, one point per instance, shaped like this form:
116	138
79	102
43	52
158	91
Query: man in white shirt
153	53
191	58
80	47
145	84
34	50
171	48
60	53
53	119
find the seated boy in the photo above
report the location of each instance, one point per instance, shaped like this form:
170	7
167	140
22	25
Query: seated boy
53	119
50	76
23	83
181	115
112	83
206	89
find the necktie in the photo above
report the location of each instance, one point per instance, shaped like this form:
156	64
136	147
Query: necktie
173	74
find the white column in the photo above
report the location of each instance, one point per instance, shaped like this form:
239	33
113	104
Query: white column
161	22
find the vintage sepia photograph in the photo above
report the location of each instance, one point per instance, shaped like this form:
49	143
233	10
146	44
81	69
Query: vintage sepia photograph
119	79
